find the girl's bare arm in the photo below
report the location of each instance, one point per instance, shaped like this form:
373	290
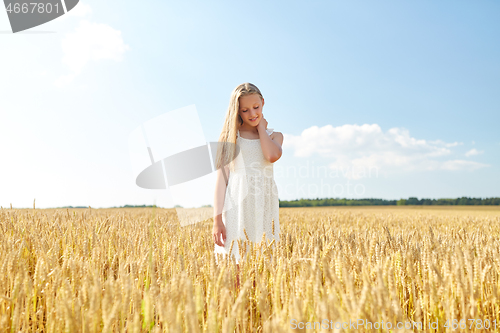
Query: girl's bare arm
220	192
271	147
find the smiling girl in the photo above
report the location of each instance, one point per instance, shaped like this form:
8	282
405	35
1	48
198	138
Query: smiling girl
245	187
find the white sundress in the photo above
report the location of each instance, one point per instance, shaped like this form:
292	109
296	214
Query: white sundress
251	200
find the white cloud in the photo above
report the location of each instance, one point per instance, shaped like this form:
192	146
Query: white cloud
446	144
90	42
360	148
461	164
473	152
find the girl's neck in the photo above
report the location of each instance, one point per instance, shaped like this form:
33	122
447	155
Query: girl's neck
252	130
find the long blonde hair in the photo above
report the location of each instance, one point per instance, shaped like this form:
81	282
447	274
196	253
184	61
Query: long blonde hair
226	153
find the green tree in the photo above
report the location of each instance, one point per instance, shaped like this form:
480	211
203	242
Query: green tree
401	202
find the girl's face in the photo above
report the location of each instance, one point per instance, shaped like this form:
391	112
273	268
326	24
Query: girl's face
251	110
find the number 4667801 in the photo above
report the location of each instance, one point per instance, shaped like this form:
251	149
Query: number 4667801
32	7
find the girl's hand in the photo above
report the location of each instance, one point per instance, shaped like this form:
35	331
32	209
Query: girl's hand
262	125
219	230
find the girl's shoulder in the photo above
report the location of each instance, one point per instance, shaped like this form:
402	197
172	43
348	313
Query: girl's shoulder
274	134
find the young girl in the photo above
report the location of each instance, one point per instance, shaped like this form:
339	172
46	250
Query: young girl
245	187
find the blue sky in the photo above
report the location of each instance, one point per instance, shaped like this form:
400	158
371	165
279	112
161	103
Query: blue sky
408	88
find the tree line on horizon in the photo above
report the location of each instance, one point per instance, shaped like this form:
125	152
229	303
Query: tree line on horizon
383	202
318	202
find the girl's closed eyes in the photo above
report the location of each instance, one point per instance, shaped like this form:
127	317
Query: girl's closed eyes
254	108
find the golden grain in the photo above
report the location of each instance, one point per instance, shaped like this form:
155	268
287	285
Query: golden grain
138	270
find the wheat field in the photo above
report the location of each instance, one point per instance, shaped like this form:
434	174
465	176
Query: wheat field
139	270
